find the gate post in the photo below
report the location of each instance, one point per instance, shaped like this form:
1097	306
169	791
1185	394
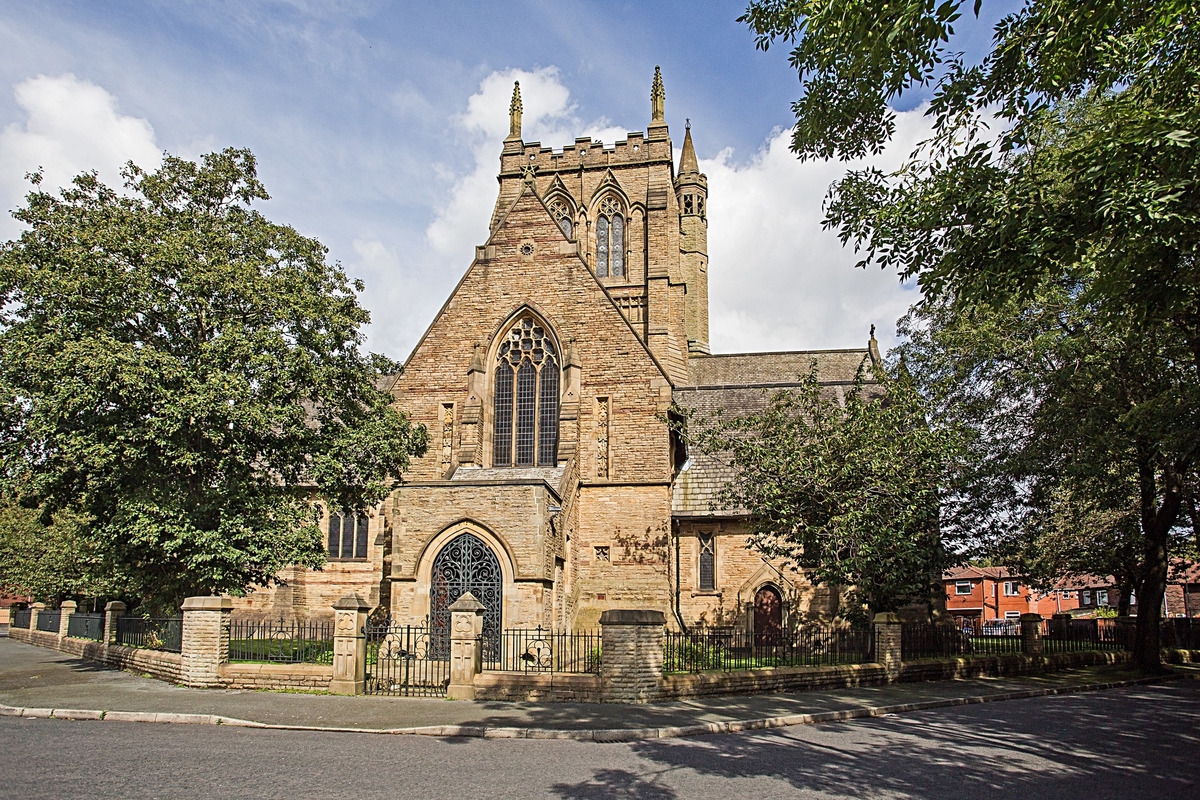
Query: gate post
888	640
631	655
349	645
1031	634
66	609
204	647
466	656
112	612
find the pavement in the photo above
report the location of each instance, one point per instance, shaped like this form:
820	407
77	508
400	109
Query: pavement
37	682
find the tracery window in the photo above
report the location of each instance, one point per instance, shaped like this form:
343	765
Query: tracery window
610	240
708	577
560	210
525	422
348	535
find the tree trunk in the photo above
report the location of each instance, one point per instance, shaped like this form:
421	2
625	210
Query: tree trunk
1157	522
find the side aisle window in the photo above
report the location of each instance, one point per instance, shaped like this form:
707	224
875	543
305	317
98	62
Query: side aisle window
708	577
348	536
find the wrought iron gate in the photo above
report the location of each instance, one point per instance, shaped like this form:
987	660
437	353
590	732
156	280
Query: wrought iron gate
400	661
466	564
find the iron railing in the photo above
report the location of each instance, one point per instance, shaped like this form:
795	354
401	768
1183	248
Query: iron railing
542	650
86	626
1077	635
281	641
402	661
930	640
151	633
730	650
1180	632
19	618
48	621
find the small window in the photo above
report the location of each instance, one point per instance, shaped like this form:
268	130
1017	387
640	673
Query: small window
687	204
1012	614
1087	597
602	554
348	536
1102	598
708	578
1011	588
962	587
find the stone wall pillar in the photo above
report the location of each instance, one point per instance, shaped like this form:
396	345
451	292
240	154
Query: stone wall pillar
1031	634
349	645
34	611
64	620
1059	624
466	656
888	641
112	612
631	655
205	640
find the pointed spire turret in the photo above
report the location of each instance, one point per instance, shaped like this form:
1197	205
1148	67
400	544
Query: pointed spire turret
687	161
658	97
514	112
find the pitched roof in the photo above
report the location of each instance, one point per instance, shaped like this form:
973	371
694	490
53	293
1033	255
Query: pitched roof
775	369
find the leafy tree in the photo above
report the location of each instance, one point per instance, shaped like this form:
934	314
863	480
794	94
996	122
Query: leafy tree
188	377
847	490
54	560
1067	156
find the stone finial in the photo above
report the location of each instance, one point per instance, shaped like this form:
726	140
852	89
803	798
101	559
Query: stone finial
657	97
514	112
873	349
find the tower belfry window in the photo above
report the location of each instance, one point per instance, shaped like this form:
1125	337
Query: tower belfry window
525	422
610	240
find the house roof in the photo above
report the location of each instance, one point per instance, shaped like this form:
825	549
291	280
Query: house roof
739	384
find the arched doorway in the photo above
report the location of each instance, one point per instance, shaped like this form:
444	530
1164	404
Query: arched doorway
768	616
465	564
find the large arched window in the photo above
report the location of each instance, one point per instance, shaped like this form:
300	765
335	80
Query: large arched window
610	239
525	424
563	214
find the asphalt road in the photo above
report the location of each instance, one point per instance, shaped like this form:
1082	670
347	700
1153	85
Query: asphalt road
1139	742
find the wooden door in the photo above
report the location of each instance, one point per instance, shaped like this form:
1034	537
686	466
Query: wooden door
768	616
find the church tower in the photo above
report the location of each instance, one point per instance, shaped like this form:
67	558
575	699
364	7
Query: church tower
691	191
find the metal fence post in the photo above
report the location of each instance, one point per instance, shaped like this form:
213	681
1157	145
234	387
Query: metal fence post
64	620
466	656
349	645
888	641
1031	634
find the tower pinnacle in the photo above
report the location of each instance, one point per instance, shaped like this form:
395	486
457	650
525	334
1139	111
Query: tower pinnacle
687	160
657	96
514	112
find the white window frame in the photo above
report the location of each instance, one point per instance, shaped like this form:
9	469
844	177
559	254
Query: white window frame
1012	589
958	587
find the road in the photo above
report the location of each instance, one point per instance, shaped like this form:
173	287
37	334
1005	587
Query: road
1138	742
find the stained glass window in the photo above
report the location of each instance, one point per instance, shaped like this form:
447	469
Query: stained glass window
610	240
526	394
561	211
707	562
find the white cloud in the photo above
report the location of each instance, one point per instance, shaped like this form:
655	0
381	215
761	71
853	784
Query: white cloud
548	116
778	281
72	126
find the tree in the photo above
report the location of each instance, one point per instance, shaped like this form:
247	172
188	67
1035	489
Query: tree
1071	148
188	377
52	560
847	490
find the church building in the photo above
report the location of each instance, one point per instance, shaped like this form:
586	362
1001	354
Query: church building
554	488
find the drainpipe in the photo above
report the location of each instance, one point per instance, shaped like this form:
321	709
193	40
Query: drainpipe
678	613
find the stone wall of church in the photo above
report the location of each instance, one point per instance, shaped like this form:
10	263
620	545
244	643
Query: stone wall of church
739	573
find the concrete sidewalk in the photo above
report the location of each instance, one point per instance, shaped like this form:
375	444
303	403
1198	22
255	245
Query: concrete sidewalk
38	681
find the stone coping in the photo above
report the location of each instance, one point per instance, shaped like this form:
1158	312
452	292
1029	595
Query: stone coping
628	616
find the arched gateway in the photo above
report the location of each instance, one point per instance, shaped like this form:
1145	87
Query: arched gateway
465	564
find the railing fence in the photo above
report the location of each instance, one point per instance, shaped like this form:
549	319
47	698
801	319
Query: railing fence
151	633
281	641
48	621
20	618
86	626
401	661
542	650
732	650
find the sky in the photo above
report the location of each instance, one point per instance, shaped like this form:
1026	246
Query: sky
378	126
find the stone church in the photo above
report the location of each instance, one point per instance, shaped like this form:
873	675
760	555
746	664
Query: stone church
554	488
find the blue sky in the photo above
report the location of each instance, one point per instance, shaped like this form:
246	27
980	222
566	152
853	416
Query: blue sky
378	125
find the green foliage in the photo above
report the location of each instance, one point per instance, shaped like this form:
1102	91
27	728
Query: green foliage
1056	209
847	490
187	375
54	560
